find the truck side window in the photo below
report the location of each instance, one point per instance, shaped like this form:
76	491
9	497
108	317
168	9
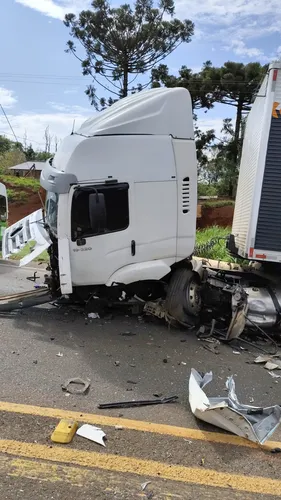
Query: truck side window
117	209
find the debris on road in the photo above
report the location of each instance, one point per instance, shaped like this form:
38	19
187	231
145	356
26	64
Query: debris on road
271	361
236	352
64	431
274	375
117	363
256	424
92	433
119	427
132	404
144	485
127	334
59	354
93	315
72	386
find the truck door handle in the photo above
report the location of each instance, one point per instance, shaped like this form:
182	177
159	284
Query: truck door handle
133	247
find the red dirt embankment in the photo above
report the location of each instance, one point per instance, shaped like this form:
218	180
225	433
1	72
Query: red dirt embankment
216	216
18	210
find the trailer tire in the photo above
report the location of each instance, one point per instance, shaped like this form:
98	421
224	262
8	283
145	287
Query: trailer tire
183	300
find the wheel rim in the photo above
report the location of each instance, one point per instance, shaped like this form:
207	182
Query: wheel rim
193	297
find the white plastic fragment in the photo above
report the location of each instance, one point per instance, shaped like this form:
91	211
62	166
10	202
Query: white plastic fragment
144	485
274	375
92	433
257	424
93	315
59	354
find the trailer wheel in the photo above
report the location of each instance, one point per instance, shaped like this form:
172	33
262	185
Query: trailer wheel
183	301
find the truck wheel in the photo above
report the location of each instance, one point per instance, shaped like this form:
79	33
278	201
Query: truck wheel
183	301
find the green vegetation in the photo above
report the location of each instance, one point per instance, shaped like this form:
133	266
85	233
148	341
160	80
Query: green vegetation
17	196
218	251
217	203
25	182
44	257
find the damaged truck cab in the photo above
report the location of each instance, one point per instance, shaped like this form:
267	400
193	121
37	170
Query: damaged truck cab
121	203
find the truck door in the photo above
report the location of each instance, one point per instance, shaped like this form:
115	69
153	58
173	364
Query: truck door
101	236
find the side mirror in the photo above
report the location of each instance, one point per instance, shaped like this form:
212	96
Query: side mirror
97	212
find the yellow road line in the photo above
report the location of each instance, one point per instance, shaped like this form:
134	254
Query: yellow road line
135	425
190	475
103	480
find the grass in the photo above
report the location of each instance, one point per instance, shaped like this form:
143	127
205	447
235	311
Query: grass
16	196
218	203
218	251
24	182
44	257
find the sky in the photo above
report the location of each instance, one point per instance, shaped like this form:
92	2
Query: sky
41	85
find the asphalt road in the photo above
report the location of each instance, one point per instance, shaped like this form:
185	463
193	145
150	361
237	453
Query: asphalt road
124	358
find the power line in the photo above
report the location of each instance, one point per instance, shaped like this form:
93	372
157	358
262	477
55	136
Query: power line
9	123
23	138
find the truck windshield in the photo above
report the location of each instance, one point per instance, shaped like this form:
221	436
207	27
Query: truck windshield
52	211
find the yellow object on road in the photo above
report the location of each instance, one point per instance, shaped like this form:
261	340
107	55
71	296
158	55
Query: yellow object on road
64	431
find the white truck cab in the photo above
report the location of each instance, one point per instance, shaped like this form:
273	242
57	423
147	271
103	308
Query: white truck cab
121	197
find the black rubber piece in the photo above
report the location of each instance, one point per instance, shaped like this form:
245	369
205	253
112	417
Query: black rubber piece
176	302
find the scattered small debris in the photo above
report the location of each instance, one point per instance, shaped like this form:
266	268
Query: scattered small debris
64	431
144	485
117	363
271	365
93	315
263	358
183	340
211	347
183	363
71	386
236	352
158	395
133	382
132	404
202	462
276	450
132	365
52	338
227	413
92	433
128	334
35	362
165	360
59	354
119	428
274	375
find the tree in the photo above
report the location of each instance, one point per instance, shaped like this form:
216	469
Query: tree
194	82
234	84
48	140
30	153
124	42
5	144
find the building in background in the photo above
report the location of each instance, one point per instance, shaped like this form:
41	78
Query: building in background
28	168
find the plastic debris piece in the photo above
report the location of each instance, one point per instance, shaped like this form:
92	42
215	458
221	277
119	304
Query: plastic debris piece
93	315
132	404
274	375
257	424
72	386
64	431
144	485
59	354
92	433
117	363
236	352
128	334
270	365
119	428
276	450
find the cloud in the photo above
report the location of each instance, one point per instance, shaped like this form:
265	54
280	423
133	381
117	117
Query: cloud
56	8
66	108
215	124
70	91
34	124
7	97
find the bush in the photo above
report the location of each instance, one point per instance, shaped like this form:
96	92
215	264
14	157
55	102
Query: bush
218	203
206	189
27	182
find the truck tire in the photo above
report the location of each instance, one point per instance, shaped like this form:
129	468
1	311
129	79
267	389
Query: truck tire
183	300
